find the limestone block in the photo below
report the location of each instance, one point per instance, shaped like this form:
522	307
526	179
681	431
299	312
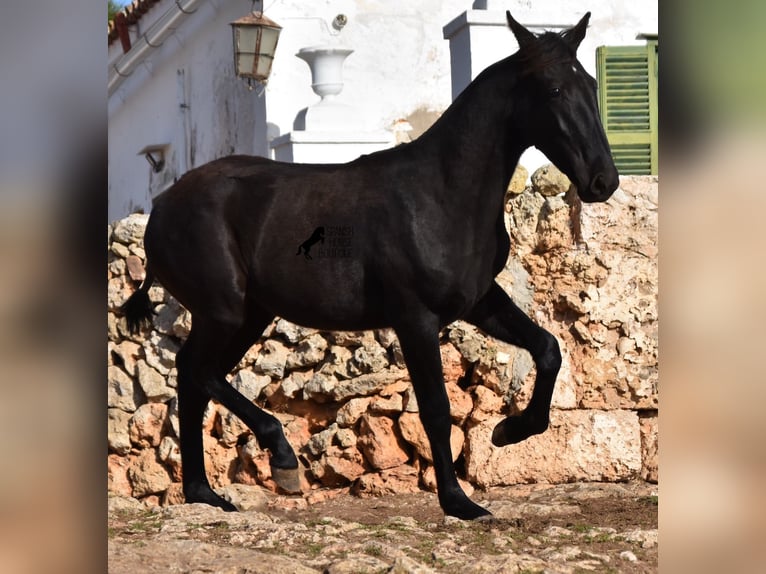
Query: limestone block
582	445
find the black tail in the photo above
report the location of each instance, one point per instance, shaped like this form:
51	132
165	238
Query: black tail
138	309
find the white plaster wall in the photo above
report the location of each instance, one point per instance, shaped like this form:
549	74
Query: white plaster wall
145	109
401	64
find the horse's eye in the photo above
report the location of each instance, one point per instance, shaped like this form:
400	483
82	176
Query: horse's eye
554	92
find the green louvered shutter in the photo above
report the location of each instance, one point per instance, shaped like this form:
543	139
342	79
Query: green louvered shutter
627	78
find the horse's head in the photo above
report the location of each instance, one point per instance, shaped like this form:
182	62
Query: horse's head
559	110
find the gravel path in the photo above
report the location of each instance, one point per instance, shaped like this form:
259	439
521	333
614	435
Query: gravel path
572	528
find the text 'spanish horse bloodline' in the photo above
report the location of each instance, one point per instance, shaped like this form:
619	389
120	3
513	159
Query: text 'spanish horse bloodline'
428	240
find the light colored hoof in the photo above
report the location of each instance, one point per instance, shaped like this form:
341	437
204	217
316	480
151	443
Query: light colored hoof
288	479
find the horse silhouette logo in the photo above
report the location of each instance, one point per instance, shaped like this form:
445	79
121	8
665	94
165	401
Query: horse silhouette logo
316	236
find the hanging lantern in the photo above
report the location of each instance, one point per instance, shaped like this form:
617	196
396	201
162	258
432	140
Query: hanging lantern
255	42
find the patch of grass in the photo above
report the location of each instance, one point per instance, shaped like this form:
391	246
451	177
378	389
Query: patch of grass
314	549
602	537
373	550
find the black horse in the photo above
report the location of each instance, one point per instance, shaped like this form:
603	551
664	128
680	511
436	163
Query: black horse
428	241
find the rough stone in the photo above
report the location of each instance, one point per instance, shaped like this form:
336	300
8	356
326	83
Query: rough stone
272	359
250	384
321	441
292	385
380	442
147	424
649	448
352	411
554	230
117	475
579	446
147	475
131	229
121	393
548	180
309	352
135	268
229	426
386	405
401	479
365	385
518	181
370	358
292	332
169	452
336	362
350	338
487	404
128	353
153	384
467	340
460	402
160	352
117	431
338	466
413	432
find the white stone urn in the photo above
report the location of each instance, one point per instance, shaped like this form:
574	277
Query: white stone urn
326	64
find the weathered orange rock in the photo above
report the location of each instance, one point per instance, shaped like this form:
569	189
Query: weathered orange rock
147	475
380	442
147	424
414	433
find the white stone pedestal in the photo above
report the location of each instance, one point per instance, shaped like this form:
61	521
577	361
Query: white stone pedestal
328	146
329	131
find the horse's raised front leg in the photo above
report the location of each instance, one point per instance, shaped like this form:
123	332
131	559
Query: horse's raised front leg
419	339
499	317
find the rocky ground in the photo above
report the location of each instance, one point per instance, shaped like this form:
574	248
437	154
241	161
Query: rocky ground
569	528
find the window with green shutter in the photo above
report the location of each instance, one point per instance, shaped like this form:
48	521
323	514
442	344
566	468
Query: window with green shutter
627	79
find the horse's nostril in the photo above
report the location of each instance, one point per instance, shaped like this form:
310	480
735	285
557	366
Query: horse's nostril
598	185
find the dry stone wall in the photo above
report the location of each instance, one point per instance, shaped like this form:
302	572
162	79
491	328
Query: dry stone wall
587	273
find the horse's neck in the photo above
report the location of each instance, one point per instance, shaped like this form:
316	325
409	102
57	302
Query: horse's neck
471	142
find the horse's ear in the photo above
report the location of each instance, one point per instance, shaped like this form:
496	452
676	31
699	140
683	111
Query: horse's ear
575	35
523	36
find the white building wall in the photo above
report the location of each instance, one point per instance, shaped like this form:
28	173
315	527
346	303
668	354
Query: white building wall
400	66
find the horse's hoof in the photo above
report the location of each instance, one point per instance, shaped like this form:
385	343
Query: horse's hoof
516	429
206	495
288	479
470	511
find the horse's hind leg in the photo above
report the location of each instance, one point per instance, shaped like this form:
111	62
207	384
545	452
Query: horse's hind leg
193	397
499	317
419	339
212	349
